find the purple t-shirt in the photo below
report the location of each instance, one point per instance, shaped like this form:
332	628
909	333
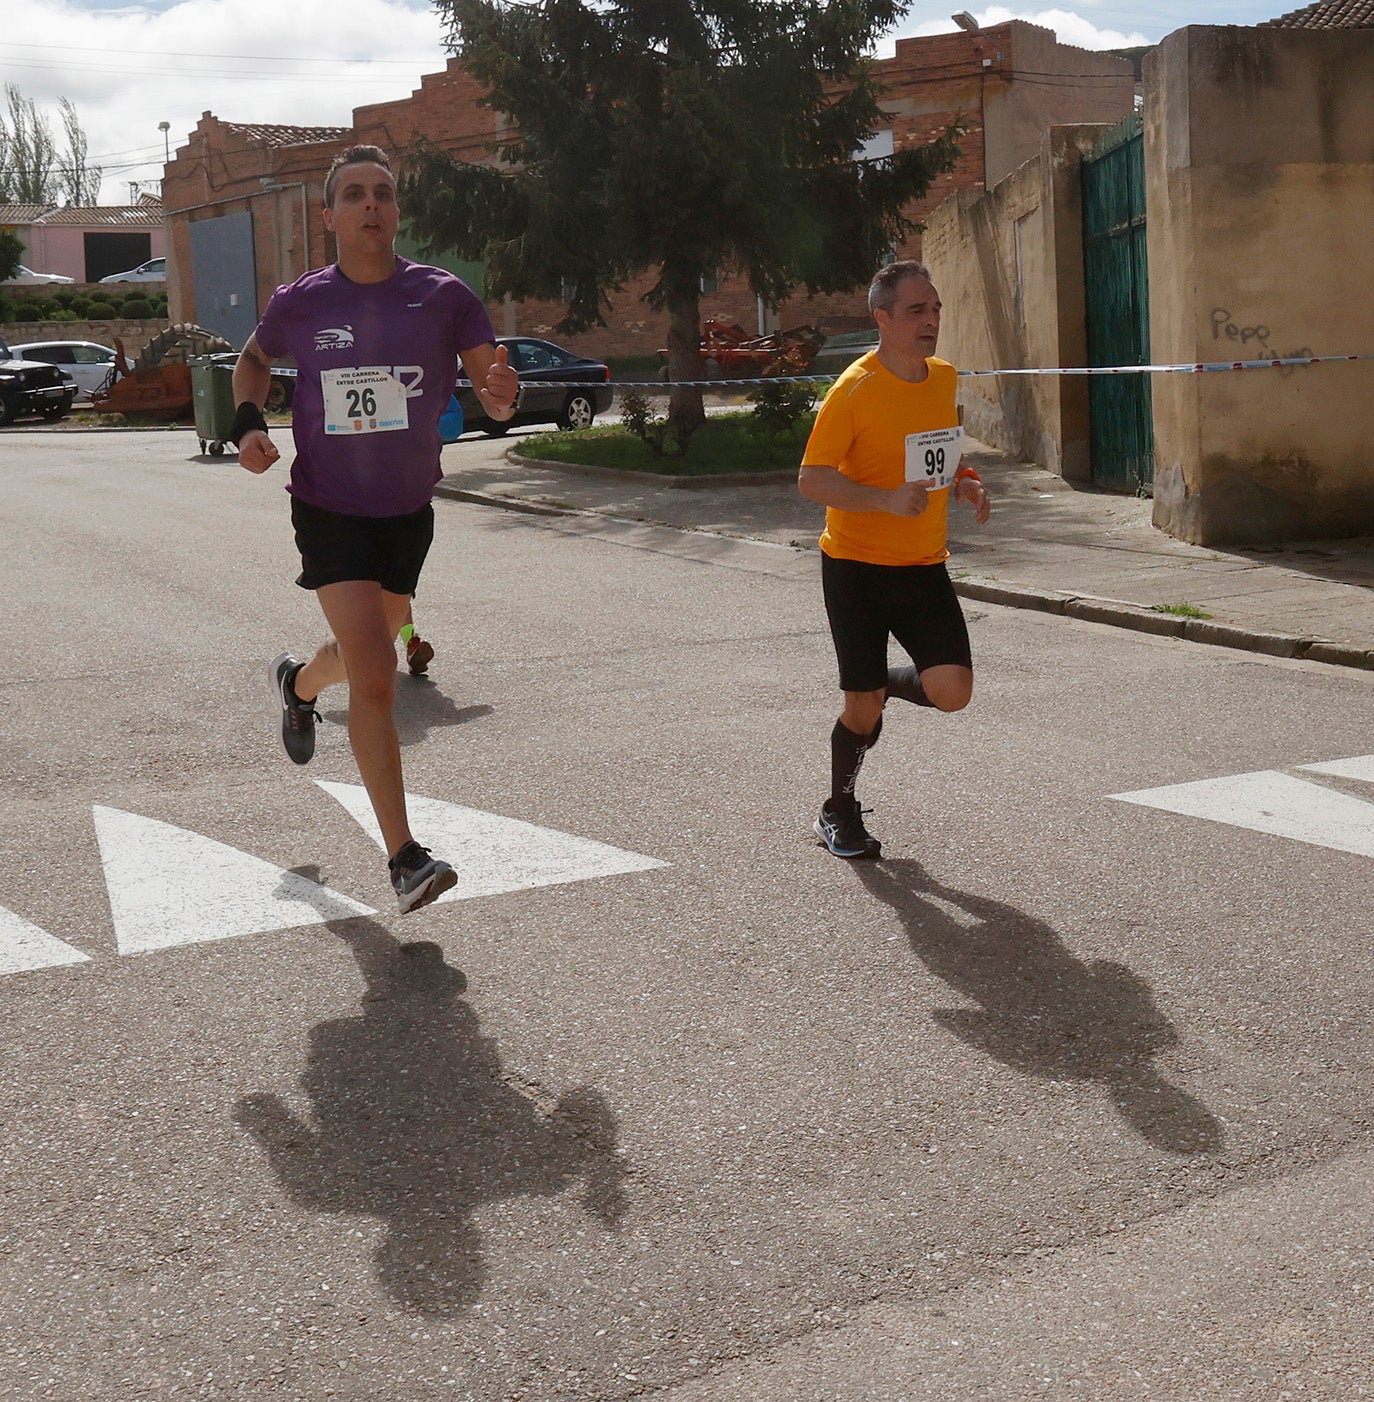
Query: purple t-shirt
367	444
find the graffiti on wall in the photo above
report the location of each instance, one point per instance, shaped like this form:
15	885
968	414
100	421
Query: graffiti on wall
1225	327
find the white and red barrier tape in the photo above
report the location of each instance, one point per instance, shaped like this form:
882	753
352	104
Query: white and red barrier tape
1202	368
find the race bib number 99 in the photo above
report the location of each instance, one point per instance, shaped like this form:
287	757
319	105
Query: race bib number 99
363	401
932	458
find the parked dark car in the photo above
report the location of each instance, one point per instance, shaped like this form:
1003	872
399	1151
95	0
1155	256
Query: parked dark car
537	361
32	387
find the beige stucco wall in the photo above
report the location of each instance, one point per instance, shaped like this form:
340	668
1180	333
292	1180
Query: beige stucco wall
1009	267
1058	85
1259	152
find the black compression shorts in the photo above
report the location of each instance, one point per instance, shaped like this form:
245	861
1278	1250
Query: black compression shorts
916	604
388	549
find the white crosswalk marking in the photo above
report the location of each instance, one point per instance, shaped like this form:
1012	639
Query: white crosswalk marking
169	886
1273	802
24	946
492	854
1361	767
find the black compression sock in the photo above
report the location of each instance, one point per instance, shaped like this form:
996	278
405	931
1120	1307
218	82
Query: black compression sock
905	684
847	751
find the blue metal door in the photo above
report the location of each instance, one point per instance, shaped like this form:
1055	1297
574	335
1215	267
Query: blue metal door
224	276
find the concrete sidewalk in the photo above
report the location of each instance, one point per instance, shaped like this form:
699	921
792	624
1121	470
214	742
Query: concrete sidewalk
1049	546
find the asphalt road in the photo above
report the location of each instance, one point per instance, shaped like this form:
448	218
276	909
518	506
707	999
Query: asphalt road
1067	1097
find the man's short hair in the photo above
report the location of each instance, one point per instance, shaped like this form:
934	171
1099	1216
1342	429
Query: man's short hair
882	291
355	155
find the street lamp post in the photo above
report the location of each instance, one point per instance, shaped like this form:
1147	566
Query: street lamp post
164	128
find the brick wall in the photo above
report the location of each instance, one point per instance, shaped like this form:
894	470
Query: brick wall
930	83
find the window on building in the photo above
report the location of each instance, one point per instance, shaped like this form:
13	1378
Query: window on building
878	147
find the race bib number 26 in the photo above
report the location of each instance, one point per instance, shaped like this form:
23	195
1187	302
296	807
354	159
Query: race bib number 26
932	458
363	401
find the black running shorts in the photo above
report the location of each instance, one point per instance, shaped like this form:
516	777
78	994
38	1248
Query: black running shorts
388	549
916	604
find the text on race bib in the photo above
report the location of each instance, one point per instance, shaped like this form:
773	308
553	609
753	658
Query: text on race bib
363	401
932	458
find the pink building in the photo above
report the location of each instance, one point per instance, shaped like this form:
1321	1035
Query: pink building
87	244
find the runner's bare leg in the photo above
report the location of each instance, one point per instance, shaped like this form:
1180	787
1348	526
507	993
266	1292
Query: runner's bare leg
365	619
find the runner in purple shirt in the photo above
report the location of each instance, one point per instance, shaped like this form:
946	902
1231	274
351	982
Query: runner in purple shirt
376	340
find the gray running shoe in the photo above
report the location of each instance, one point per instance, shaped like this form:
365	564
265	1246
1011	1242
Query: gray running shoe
845	835
298	718
417	878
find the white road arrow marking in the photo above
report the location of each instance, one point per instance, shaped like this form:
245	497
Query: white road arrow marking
492	854
1272	802
1362	767
169	886
24	946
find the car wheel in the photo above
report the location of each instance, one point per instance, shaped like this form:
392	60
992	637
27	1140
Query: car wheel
578	412
496	428
9	410
52	413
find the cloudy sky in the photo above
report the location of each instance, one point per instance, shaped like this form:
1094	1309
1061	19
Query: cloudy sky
128	67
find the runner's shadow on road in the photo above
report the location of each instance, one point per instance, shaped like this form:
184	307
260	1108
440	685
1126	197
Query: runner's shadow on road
415	1122
1040	1009
420	708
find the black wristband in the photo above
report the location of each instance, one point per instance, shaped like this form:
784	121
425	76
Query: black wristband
247	417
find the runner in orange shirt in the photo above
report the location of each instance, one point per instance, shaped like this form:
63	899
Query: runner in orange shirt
884	459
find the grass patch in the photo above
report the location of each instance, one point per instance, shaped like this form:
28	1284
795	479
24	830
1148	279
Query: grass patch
1181	610
722	446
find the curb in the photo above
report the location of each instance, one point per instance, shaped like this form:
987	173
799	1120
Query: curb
524	508
1120	614
654	479
1116	613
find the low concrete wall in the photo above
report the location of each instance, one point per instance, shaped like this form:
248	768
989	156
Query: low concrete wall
134	334
1009	267
1260	198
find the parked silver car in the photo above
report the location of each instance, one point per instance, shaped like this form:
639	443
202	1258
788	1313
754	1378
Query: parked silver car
26	277
154	270
89	364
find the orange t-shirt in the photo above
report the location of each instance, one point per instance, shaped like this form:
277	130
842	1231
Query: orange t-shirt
862	429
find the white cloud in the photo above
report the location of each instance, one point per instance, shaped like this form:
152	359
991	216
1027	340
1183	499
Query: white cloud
307	62
127	67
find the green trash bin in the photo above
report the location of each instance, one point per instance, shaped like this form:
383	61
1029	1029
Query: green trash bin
212	391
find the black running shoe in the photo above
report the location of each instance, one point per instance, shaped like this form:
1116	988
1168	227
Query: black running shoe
417	878
298	718
845	835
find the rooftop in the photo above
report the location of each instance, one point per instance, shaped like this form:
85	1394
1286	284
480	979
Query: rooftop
280	135
147	214
1327	14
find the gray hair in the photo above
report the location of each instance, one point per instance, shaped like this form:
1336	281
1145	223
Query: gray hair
882	291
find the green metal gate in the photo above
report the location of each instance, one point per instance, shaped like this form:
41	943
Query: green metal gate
1122	440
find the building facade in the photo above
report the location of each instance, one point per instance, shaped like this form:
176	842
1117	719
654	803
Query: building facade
243	201
87	244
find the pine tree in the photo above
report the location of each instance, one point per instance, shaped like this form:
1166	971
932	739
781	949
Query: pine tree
694	137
